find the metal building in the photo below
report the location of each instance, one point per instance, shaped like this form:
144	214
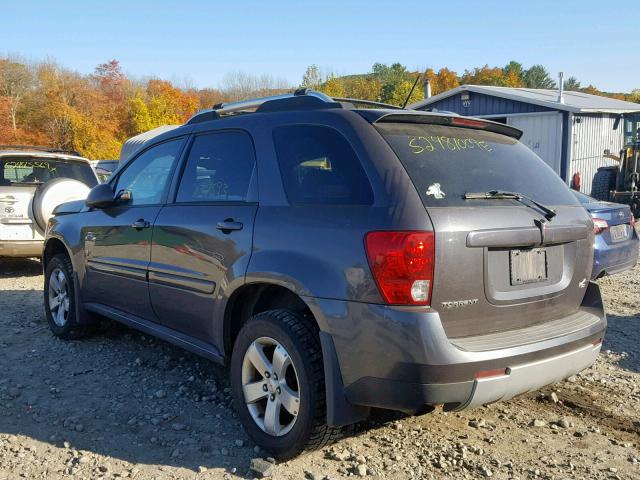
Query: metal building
572	132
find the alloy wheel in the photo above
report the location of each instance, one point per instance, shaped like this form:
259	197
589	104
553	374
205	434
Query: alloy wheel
270	386
59	297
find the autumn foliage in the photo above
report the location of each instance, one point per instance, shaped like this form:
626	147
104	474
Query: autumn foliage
91	114
46	104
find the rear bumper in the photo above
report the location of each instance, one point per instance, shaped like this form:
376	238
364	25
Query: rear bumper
515	380
609	259
401	359
21	248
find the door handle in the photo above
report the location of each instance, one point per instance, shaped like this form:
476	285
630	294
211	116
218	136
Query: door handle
140	224
229	225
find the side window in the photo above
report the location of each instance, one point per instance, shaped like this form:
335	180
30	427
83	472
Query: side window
319	167
218	168
147	178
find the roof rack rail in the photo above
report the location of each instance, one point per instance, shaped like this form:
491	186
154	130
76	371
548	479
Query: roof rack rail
357	101
39	149
254	103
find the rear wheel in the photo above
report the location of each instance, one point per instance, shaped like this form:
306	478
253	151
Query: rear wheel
277	379
60	300
603	182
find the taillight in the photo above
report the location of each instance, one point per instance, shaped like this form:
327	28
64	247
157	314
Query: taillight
599	225
402	265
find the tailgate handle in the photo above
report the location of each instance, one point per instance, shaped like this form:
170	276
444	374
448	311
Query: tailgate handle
8	199
504	237
526	236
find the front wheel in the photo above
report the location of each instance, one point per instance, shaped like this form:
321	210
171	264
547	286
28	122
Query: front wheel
60	299
277	379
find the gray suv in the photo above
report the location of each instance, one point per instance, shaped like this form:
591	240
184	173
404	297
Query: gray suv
337	259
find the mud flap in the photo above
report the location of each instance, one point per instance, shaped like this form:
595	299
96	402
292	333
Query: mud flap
339	411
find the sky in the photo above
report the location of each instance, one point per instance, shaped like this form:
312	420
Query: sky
196	43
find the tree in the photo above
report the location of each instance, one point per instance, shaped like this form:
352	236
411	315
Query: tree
334	87
591	90
15	81
311	78
513	74
395	73
364	88
442	81
634	96
160	104
396	93
208	97
538	77
242	85
572	84
110	79
484	76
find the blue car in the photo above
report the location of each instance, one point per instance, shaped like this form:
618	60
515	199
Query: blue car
616	242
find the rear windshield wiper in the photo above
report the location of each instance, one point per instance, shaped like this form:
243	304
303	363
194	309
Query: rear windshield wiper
497	195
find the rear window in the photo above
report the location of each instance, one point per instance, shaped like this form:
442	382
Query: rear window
445	162
319	167
34	171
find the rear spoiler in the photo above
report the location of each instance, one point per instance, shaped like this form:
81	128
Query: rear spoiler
449	120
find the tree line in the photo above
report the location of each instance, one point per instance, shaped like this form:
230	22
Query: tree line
392	83
44	103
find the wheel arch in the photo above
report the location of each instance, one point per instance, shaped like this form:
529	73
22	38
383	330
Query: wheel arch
253	298
52	247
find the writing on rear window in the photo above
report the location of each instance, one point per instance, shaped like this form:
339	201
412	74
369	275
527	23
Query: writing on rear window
432	143
45	165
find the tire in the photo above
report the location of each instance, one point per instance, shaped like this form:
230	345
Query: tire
296	341
603	182
59	278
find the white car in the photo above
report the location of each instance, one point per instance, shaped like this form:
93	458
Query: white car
33	182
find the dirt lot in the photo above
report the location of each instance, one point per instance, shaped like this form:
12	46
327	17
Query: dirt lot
123	405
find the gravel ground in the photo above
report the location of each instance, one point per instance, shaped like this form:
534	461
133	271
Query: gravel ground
123	405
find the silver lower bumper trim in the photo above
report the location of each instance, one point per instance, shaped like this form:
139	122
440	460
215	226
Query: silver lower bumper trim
531	376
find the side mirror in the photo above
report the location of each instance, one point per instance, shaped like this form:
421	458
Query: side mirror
101	196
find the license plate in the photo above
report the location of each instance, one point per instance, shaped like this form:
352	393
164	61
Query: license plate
528	266
618	233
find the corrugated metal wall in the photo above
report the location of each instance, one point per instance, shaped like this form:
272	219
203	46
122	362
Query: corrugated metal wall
543	135
592	135
479	104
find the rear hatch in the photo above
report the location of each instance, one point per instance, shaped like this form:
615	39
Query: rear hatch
20	176
499	263
15	217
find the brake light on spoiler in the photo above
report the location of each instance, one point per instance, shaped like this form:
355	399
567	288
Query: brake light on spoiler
468	122
402	265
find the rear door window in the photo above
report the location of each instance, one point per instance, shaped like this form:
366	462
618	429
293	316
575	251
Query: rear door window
23	170
218	169
319	167
445	162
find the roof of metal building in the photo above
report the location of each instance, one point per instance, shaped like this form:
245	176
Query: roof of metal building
575	102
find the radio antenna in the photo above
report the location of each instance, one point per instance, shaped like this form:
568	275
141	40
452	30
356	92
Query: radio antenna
412	89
